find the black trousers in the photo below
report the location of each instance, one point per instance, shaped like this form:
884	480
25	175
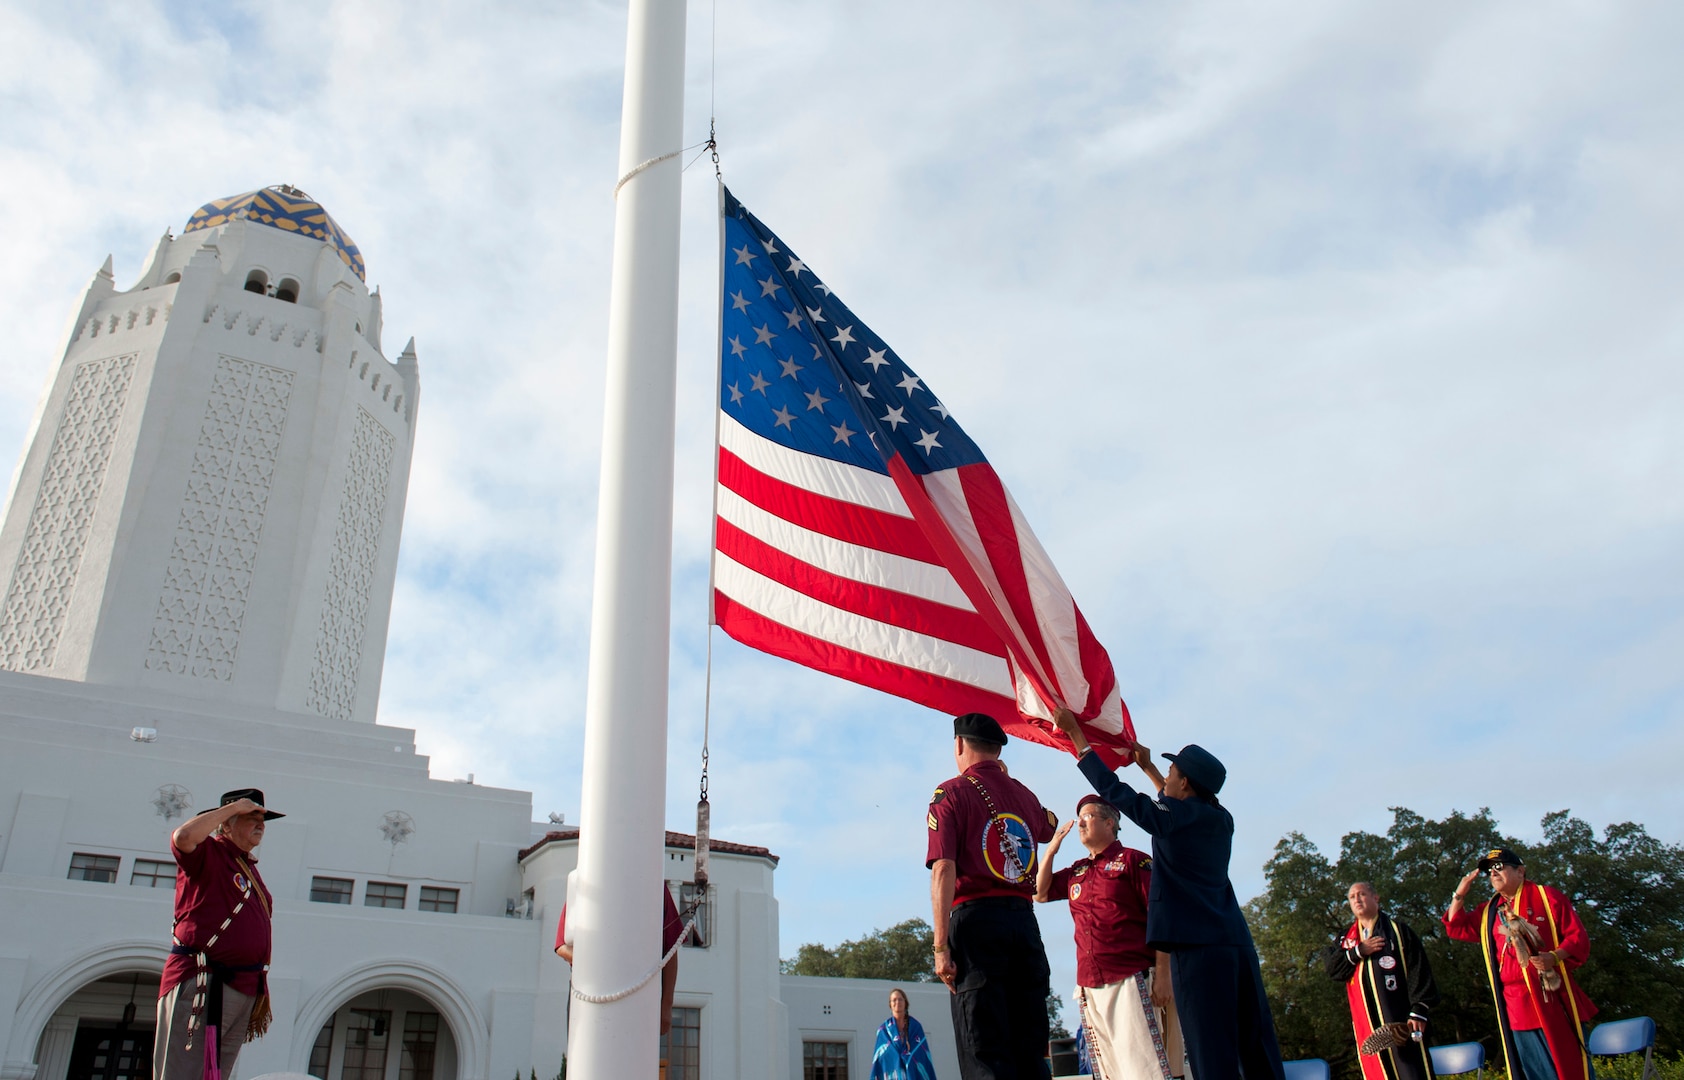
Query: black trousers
1225	1018
1000	1007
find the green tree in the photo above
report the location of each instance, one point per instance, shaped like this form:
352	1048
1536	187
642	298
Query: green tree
1628	887
1055	1018
902	953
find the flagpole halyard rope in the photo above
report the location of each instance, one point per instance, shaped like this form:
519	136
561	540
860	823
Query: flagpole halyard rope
645	166
603	999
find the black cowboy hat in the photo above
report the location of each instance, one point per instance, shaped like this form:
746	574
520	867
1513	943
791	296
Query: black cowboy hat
254	794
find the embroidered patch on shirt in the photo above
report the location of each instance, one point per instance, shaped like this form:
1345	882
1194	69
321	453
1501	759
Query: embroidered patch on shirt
941	793
931	819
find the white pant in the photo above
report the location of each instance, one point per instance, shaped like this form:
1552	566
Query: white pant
1128	1039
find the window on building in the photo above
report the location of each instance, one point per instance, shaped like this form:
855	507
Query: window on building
437	898
322	1052
824	1060
385	894
366	1032
702	933
153	873
258	282
420	1042
86	867
681	1048
331	890
287	290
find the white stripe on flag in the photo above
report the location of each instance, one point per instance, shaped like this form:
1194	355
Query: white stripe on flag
804	615
948	494
822	476
851	561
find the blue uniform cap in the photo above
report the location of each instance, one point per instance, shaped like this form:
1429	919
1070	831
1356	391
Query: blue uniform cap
1200	766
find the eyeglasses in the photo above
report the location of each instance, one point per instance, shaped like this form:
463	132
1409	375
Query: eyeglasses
1499	868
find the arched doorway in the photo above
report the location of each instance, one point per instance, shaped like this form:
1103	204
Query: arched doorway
103	1031
385	1034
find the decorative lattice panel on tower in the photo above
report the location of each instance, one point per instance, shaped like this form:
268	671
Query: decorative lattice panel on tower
207	582
350	575
38	598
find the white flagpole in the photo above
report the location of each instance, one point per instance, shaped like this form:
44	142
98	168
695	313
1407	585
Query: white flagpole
614	917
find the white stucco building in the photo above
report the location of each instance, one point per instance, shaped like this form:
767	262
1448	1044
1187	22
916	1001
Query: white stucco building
197	556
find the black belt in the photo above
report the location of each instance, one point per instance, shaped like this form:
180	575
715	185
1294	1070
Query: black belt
1010	903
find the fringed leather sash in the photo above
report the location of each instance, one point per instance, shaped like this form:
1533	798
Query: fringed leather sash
210	977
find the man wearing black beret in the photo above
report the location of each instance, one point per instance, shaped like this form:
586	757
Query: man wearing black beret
984	827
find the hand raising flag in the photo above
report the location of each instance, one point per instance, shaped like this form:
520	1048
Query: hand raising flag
859	530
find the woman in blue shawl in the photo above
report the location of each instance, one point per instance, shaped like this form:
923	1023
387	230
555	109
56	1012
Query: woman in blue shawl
902	1053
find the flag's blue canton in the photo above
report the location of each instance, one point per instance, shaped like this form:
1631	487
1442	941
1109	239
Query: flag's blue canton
797	367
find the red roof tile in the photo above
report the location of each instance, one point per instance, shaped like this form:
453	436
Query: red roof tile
674	840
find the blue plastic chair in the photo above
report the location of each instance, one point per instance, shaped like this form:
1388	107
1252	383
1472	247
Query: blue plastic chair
1458	1058
1308	1069
1625	1037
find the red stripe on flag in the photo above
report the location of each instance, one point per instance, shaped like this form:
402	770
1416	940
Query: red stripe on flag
958	561
992	514
908	612
836	518
758	632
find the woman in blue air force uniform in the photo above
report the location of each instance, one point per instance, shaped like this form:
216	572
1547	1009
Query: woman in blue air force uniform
1192	912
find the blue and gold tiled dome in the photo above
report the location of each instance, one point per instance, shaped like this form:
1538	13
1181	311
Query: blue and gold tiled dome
283	207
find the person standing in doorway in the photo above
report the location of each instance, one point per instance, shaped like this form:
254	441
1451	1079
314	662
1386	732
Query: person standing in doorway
214	996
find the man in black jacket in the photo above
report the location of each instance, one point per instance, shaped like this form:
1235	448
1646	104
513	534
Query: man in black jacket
1390	987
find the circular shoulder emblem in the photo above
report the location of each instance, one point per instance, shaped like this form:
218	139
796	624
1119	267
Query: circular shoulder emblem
1008	848
1388	962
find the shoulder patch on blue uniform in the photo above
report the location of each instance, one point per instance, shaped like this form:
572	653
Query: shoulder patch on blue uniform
930	819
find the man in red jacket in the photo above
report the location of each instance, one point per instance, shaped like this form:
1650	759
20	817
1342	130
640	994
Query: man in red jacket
1533	941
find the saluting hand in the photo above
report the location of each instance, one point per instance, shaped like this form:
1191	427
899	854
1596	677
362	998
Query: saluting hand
1465	884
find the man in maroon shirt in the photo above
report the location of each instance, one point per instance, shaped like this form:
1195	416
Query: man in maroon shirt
984	827
1122	982
213	996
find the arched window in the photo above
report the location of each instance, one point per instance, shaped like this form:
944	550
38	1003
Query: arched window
175	276
258	282
287	290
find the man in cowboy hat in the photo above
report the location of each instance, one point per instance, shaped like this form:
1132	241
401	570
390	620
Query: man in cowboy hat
213	996
983	831
1533	941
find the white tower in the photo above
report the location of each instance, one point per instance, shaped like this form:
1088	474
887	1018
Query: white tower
214	488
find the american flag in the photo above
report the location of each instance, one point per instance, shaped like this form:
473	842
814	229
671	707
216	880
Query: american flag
858	530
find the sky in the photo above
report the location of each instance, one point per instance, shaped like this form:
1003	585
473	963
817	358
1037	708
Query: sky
1332	350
